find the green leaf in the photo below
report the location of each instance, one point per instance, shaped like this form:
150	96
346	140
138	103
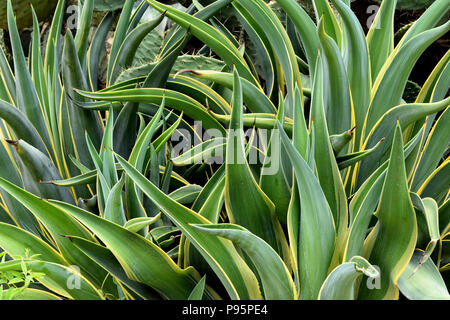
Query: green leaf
273	180
356	57
17	242
63	280
340	140
104	257
186	194
434	149
236	276
127	50
34	294
327	168
337	100
201	152
316	231
80	120
83	30
425	283
406	114
430	18
21	126
254	98
279	41
342	281
324	11
58	223
136	224
173	99
438	183
114	207
96	49
119	36
210	36
364	203
259	48
40	168
395	233
275	276
165	276
54	41
210	200
380	38
27	99
430	210
197	293
305	27
389	86
352	158
255	211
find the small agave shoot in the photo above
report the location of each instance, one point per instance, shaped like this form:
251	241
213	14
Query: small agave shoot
286	167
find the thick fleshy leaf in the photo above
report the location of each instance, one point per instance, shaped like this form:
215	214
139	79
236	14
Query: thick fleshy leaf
388	88
202	152
41	168
104	257
197	293
357	61
314	252
280	43
59	223
129	46
305	27
429	19
17	242
83	29
210	36
119	36
96	48
186	194
349	159
430	211
275	276
395	233
80	120
255	211
364	203
342	281
34	294
406	114
176	100
165	277
327	169
27	99
137	224
254	98
337	100
433	150
380	39
63	280
21	126
223	258
423	283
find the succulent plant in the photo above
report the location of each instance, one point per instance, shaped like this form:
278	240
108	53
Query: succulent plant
22	10
413	4
338	184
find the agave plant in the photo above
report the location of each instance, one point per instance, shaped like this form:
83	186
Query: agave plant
356	208
413	4
23	11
